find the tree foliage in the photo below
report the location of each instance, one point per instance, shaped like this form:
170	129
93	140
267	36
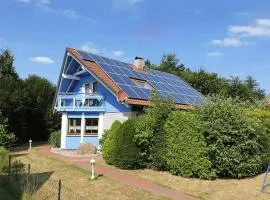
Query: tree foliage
26	105
237	144
186	150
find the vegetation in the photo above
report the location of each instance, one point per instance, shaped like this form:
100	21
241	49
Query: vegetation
149	134
222	138
110	142
186	150
236	143
3	158
25	105
126	154
55	139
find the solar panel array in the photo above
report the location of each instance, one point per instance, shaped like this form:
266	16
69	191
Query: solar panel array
164	83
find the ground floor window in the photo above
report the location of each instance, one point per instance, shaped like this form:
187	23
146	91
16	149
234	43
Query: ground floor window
74	126
91	126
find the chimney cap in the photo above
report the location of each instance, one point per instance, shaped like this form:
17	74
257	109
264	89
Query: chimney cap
137	57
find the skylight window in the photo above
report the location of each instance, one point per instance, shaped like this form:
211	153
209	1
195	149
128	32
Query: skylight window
142	84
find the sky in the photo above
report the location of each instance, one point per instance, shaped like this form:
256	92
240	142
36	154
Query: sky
229	37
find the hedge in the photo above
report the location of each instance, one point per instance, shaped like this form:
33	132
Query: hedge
55	139
127	153
185	147
3	158
109	143
236	142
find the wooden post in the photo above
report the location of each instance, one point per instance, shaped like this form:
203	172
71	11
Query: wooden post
28	170
9	164
59	189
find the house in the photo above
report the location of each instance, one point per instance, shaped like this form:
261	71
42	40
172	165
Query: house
93	91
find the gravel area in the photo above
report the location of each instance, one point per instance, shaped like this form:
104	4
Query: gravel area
73	153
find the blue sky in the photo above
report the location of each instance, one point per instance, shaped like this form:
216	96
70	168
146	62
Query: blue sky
227	37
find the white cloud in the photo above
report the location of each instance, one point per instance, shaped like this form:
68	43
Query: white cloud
234	42
215	53
260	28
263	22
118	53
42	59
24	1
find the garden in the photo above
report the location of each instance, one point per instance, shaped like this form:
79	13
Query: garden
223	138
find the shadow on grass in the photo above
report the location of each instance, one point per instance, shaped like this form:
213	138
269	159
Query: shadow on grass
17	186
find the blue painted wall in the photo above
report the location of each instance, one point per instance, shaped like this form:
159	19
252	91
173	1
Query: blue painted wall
73	142
92	139
111	103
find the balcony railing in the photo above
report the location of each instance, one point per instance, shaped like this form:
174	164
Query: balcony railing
80	102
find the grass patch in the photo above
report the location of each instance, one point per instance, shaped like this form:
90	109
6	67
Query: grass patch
77	179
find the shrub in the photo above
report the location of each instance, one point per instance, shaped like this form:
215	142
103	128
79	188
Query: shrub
104	136
264	116
126	150
235	141
109	143
185	147
3	158
55	139
150	134
6	138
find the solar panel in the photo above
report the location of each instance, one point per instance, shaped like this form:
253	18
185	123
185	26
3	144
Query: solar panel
167	85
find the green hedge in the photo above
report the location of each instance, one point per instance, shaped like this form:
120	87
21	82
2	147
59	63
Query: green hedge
109	143
127	154
236	142
185	147
3	158
55	139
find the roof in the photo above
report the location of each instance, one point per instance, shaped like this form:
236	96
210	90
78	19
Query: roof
116	75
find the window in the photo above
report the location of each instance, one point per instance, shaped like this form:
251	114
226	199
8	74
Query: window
74	126
95	86
91	126
87	88
142	84
90	87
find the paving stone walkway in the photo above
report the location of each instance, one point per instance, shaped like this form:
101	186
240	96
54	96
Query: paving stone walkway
120	176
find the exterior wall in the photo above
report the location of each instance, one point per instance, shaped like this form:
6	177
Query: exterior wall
109	118
111	103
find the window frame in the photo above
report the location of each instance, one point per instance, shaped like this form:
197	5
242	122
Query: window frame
77	130
95	127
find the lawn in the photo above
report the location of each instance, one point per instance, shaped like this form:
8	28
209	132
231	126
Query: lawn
76	181
227	189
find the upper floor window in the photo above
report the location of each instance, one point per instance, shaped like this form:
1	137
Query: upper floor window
90	87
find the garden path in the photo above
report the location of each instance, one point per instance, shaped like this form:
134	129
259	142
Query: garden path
119	176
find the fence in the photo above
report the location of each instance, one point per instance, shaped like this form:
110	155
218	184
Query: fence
25	180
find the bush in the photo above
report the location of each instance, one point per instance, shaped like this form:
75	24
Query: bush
127	154
6	138
104	136
264	116
185	147
3	158
55	139
150	134
109	143
235	141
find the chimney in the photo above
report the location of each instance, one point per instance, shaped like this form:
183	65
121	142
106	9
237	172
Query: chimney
139	63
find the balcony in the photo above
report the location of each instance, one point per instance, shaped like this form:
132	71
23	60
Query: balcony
80	102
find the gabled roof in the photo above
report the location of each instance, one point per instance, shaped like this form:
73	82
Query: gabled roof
116	75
